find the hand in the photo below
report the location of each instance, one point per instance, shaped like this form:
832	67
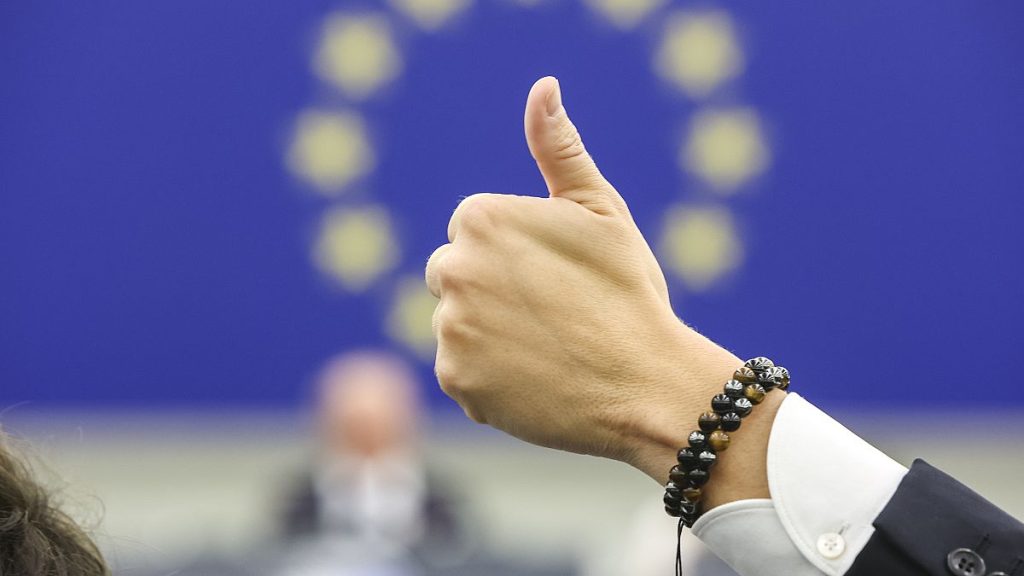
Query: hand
554	322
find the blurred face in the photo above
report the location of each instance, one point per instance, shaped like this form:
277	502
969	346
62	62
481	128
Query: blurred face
367	405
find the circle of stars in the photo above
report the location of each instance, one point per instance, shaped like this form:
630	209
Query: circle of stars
357	54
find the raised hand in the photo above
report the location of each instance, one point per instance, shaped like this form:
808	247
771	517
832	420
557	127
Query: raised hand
554	322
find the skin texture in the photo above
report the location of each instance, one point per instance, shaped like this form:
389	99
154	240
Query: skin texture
554	322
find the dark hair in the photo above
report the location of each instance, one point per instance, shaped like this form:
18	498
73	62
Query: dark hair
36	537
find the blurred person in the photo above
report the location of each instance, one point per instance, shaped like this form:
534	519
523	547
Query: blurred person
369	484
36	537
555	325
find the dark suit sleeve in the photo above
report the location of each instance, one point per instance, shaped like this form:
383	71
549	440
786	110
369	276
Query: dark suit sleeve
930	516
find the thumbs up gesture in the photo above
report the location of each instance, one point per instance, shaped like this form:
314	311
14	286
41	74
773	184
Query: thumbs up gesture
554	322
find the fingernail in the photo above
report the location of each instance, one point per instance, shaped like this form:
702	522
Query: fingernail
554	98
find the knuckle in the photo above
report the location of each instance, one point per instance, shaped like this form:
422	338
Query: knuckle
446	377
473	414
434	268
449	328
454	279
455	386
478	213
436	322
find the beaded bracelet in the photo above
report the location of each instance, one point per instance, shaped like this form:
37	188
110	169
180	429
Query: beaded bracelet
748	387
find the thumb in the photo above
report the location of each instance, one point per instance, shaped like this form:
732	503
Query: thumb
555	144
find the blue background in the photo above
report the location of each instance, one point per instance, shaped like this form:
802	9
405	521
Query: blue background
154	251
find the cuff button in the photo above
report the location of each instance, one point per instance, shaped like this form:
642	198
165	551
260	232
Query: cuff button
831	545
965	562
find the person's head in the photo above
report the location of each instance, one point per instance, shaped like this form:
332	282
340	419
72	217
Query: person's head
36	537
367	403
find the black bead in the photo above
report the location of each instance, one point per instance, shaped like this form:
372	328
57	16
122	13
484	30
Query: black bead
677	475
674	489
783	376
698	440
731	421
721	404
671	500
733	389
778	375
708	422
767	380
743	407
690	507
697	477
673	511
759	364
687	458
706	459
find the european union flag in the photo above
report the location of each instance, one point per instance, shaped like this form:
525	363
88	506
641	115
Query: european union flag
201	203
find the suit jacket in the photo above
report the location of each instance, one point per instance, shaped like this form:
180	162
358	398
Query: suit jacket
303	514
935	525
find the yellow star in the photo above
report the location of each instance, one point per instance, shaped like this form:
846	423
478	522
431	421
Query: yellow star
698	52
329	150
355	246
357	54
625	13
725	148
699	244
411	317
431	14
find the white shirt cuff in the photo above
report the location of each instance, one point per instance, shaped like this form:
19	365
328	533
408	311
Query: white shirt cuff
827	486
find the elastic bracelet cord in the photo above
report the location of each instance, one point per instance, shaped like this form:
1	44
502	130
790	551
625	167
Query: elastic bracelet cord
685	488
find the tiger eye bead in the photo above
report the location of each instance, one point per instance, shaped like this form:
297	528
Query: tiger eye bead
719	440
692	494
743	407
677	476
731	421
697	477
745	375
759	364
733	389
687	458
708	421
706	459
754	392
721	404
697	440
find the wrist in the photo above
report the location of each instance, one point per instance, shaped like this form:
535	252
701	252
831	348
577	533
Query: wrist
684	389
